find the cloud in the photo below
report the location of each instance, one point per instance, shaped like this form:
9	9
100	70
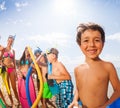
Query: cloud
2	6
19	21
60	39
20	5
115	36
14	21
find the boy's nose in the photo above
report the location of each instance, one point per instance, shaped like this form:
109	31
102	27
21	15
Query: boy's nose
91	43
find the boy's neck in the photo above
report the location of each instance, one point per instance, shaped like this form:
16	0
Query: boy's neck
89	60
54	62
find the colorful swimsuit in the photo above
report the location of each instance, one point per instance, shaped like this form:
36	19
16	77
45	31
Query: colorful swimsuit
10	55
10	70
46	91
65	97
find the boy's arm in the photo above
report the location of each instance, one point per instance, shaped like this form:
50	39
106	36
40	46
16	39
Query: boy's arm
64	75
76	96
115	84
75	100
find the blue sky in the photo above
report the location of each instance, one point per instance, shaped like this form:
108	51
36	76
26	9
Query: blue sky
52	23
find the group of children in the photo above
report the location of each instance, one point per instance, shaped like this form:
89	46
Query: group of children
92	77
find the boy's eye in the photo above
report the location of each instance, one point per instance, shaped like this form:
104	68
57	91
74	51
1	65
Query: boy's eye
85	40
97	40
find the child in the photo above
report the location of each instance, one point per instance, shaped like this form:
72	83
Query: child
93	76
24	65
63	79
42	62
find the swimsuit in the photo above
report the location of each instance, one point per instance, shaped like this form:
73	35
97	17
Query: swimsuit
8	54
46	91
65	96
10	70
26	62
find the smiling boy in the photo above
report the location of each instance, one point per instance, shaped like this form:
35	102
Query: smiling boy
93	76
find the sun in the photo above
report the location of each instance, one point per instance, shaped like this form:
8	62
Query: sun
65	7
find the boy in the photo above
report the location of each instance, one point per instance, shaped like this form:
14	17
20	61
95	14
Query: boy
63	79
93	76
42	62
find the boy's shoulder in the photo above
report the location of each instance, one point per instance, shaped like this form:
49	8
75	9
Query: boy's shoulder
59	64
107	63
80	66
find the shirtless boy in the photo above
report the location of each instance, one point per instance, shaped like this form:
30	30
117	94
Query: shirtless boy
62	77
93	76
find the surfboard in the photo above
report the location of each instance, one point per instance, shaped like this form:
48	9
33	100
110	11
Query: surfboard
22	92
115	104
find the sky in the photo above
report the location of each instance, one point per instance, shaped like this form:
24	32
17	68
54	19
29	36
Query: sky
53	23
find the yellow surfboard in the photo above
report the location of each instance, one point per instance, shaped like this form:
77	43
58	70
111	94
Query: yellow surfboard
40	78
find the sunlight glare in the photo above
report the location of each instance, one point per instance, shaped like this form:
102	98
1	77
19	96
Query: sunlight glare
65	7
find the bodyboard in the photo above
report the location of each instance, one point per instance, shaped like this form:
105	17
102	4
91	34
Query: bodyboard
22	92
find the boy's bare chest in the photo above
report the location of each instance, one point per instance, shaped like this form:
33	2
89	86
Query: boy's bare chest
92	76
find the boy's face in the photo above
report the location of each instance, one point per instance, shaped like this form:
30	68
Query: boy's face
91	43
51	57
